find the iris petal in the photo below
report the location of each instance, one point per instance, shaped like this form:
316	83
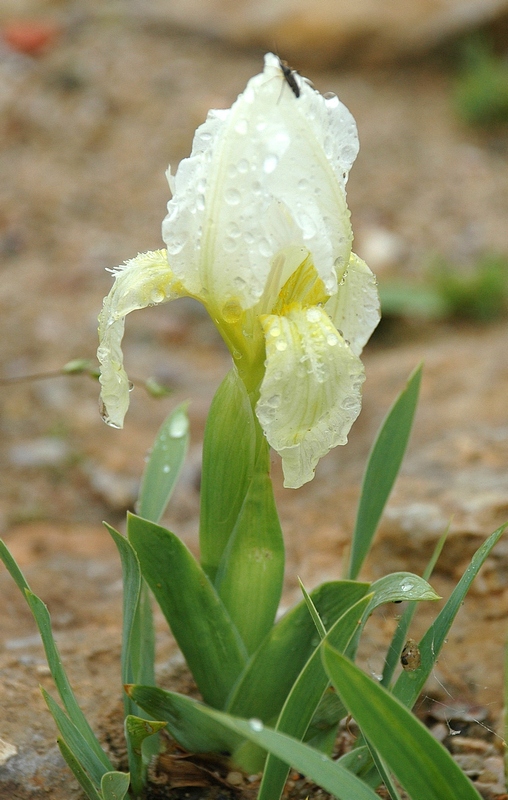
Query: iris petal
311	391
355	309
140	282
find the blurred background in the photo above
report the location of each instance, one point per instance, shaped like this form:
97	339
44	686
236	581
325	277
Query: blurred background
96	99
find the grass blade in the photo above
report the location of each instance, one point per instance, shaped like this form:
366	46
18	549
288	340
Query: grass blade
164	465
409	684
382	469
274	667
305	696
420	763
400	635
340	782
185	721
201	625
78	771
76	742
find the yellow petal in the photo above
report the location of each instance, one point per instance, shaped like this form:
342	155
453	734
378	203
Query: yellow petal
141	281
311	392
355	309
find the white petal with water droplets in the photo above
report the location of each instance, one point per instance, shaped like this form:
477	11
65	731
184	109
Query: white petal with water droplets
271	155
355	309
311	392
140	282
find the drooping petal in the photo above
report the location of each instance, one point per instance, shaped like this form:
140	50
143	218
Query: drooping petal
271	155
355	309
140	282
311	392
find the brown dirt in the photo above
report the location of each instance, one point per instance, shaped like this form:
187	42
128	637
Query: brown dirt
87	130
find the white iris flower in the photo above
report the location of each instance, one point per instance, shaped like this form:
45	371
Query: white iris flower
258	230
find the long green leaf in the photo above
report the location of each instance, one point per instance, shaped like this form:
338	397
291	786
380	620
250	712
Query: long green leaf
78	771
42	618
43	622
343	784
420	763
201	625
305	695
382	469
76	742
229	457
252	563
274	667
164	465
401	632
409	684
115	785
185	720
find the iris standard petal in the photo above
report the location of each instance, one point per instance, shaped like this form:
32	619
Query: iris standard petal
311	391
140	282
270	157
355	309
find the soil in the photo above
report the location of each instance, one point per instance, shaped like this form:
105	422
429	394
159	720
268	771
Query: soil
88	127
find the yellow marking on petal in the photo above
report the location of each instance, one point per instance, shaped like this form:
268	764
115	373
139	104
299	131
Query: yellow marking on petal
304	287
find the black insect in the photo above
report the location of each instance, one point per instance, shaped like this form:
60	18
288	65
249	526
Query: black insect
289	77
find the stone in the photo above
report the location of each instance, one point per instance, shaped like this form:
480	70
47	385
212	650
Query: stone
329	31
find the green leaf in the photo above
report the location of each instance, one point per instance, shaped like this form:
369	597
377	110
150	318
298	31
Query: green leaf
422	765
382	469
115	785
329	774
79	773
164	465
313	611
400	635
252	563
137	731
42	618
75	741
201	625
229	457
305	695
409	684
185	721
271	672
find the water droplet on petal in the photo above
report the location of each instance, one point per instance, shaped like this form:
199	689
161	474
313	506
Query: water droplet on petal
232	197
157	296
331	100
243	166
281	345
242	126
270	164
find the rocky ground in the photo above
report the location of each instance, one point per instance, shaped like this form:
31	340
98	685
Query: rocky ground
88	124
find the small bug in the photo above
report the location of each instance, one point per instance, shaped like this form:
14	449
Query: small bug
410	658
289	77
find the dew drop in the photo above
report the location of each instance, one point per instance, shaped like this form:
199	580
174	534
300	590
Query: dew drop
313	315
229	244
166	468
200	202
281	345
242	126
232	197
231	311
233	230
175	246
179	426
270	164
243	166
256	725
331	100
406	586
264	248
332	340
